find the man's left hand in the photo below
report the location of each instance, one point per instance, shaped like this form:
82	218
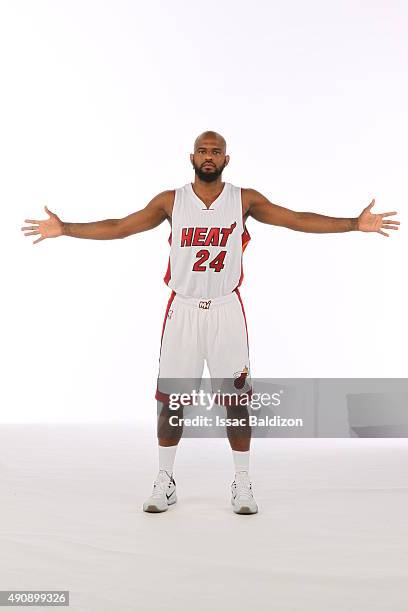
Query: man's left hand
368	222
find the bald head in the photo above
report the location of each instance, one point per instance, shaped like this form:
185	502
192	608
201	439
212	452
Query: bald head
209	158
209	135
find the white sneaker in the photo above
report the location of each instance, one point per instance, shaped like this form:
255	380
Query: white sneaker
242	499
164	493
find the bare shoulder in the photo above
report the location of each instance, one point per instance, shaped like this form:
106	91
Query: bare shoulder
262	209
164	201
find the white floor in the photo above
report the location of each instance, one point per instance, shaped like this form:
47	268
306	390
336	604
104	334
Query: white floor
331	533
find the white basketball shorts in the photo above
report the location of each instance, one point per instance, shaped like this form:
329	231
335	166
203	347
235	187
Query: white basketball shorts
195	330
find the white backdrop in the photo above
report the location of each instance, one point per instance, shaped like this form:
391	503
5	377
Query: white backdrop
100	105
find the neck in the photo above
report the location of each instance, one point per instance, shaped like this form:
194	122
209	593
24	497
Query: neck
208	189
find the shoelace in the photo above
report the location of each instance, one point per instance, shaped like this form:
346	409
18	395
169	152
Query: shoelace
161	484
243	485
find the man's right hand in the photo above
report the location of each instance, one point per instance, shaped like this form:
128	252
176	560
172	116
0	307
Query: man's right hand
156	211
50	228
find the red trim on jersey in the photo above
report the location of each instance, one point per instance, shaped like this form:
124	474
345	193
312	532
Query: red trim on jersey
243	311
167	276
245	237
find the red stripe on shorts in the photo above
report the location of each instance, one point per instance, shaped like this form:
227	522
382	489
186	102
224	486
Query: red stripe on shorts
171	298
169	303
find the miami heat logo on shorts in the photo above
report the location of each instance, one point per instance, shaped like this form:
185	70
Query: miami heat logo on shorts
204	304
169	314
240	378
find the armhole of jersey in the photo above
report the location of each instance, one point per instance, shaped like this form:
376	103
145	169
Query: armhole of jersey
245	236
178	199
174	212
239	191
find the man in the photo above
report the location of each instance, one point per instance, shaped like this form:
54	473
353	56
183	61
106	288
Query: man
205	318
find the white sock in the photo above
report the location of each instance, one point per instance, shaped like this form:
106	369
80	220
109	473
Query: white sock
241	460
167	455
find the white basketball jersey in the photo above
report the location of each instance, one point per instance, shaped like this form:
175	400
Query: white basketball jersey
206	244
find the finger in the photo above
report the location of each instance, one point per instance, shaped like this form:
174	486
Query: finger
38	240
383	233
394	212
31	233
30	227
371	204
389	226
391	221
31	221
48	211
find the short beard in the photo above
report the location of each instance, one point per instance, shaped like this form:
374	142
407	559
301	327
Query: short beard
208	177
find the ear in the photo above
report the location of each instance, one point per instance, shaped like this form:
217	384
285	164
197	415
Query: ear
191	157
227	158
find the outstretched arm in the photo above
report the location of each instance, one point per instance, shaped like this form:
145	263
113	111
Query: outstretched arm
147	218
261	209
